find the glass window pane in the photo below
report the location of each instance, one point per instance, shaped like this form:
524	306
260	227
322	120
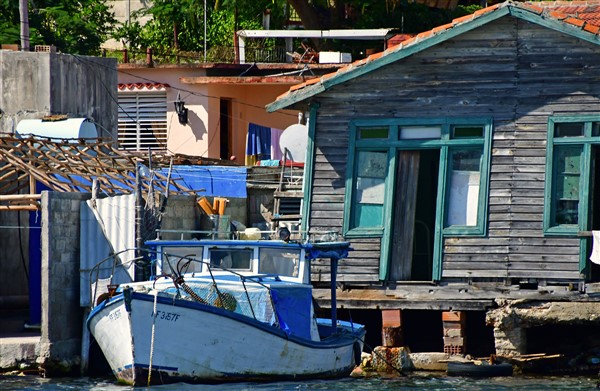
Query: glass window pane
369	189
373	133
568	129
467	131
171	259
279	261
420	132
370	178
567	175
231	258
596	129
464	180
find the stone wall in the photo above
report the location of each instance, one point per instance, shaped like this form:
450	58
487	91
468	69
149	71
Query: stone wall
180	213
62	318
512	319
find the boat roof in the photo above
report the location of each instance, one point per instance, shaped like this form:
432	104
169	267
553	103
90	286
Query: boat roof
226	243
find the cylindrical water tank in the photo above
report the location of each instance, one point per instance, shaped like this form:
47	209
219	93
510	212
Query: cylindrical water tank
69	128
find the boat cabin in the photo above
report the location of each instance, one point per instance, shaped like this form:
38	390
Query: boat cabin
245	257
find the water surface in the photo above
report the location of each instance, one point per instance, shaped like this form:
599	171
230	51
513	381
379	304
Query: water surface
427	382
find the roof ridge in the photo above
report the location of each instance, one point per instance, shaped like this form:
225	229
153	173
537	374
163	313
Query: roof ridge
533	7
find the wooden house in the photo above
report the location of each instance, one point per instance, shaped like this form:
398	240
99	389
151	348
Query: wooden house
462	164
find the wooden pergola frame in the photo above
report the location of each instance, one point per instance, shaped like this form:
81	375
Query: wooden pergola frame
73	165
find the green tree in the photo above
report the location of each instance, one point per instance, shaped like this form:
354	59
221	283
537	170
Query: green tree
178	25
408	17
73	26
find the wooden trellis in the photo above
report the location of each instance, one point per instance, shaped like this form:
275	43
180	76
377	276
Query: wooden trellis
72	165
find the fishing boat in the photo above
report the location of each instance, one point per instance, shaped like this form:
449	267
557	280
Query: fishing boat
223	311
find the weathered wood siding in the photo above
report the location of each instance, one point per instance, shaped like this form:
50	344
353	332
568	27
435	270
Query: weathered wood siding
514	71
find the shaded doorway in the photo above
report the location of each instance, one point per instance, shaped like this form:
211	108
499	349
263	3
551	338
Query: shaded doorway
594	269
225	135
413	231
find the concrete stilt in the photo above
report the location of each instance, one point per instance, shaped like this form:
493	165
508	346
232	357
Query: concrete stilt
454	326
391	331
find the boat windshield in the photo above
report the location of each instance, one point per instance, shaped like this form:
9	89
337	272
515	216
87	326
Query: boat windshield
280	261
171	255
231	258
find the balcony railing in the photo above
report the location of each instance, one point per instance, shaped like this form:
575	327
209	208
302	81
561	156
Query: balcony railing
221	54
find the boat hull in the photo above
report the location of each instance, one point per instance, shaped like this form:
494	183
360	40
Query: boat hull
179	340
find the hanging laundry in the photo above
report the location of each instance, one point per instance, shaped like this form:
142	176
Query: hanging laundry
595	256
276	153
258	144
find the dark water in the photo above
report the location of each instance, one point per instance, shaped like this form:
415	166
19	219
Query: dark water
426	382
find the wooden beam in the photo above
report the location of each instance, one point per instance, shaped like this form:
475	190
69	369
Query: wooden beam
20	197
291	80
19	207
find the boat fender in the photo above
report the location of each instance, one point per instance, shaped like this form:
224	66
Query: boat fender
102	297
127	298
356	350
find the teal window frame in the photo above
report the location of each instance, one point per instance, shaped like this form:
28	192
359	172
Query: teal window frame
586	142
391	145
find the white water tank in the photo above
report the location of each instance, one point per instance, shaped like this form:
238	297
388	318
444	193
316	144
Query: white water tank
69	128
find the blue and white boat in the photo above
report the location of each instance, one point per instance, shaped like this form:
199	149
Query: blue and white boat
225	310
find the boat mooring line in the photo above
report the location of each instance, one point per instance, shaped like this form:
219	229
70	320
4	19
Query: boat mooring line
388	362
152	338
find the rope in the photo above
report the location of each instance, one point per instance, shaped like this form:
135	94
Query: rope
152	339
385	359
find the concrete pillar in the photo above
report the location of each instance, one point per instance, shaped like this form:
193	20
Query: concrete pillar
510	341
454	325
60	342
391	331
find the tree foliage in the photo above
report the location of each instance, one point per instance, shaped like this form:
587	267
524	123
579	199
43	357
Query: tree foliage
81	26
73	26
179	24
408	17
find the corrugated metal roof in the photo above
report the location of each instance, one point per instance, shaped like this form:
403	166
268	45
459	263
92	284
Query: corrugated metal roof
537	12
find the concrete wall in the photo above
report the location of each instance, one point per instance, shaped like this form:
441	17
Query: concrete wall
180	214
33	85
62	318
183	213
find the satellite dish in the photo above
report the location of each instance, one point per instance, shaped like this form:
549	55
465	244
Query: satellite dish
295	139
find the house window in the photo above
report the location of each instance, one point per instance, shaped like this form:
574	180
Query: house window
393	156
464	167
572	154
143	120
369	188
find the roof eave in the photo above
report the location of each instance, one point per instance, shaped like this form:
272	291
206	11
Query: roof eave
307	92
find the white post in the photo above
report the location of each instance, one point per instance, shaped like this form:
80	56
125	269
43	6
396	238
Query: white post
242	47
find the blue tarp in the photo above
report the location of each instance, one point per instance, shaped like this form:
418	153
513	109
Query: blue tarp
219	181
215	180
293	308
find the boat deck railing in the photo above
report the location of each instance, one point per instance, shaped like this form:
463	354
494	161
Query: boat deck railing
212	291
